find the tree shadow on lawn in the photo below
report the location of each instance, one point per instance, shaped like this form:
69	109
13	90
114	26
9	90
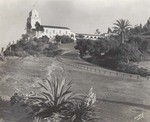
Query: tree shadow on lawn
16	113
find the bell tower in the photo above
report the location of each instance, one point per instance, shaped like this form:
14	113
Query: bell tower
32	19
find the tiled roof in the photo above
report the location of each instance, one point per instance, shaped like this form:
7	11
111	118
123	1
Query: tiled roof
57	27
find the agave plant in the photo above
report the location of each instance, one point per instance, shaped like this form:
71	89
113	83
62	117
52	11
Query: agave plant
55	97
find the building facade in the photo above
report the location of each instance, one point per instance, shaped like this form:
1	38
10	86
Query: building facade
35	28
88	36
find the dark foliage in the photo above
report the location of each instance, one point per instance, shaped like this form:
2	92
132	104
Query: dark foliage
80	36
133	69
63	39
145	46
16	99
95	48
115	55
35	47
39	27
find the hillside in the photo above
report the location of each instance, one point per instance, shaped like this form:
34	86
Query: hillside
22	75
35	47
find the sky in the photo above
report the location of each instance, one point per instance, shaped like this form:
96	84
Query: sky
81	16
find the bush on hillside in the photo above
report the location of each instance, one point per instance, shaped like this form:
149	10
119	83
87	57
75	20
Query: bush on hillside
95	48
125	52
136	41
115	55
35	47
145	46
104	45
63	39
133	69
85	46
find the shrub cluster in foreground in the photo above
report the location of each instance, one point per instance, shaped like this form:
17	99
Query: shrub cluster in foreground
57	103
34	47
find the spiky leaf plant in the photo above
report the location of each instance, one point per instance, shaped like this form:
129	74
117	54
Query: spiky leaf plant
55	97
84	109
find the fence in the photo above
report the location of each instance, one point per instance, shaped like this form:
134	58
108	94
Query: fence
105	72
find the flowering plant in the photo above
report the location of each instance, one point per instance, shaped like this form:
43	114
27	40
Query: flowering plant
84	110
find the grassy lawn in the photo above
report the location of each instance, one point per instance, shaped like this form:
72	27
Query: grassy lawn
21	75
119	100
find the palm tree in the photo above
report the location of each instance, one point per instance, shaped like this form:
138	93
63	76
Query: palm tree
121	27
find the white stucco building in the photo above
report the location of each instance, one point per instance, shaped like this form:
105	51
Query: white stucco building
44	30
88	36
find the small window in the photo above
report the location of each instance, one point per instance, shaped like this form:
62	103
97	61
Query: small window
46	31
66	32
60	32
53	31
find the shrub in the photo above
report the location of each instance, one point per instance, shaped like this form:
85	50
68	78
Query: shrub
51	50
133	69
143	72
20	103
84	109
16	99
84	45
55	97
63	39
145	46
95	48
35	47
57	52
21	54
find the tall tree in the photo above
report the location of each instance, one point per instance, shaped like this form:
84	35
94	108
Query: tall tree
39	27
121	27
